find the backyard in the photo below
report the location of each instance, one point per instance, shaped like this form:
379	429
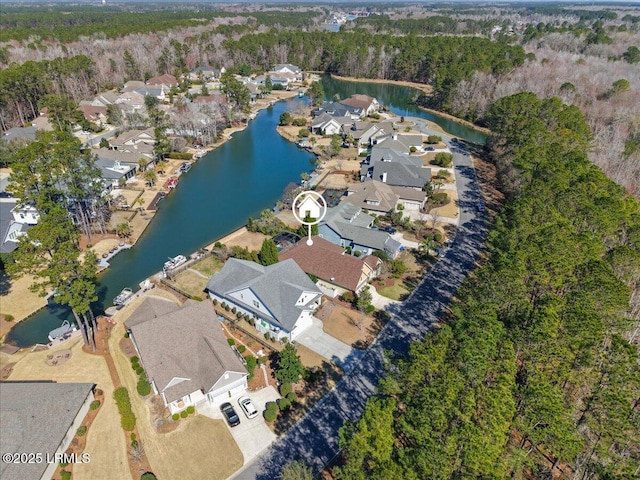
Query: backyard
194	279
403	274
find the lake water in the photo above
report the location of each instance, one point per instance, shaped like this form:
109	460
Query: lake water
233	182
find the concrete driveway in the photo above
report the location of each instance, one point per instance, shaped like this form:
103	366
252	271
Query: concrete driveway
252	435
329	347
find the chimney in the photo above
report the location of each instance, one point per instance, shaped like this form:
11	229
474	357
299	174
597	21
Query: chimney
384	177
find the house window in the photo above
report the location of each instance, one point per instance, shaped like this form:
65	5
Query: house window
242	295
256	304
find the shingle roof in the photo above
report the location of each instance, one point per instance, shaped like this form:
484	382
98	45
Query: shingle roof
185	342
361	194
278	287
35	417
165	79
398	174
388	155
326	261
359	100
28	133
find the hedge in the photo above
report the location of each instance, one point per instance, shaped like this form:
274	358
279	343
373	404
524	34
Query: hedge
180	155
231	341
82	430
127	418
241	348
292	397
271	411
284	404
251	364
94	405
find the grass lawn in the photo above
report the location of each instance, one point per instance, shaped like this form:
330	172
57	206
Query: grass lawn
342	323
395	291
191	283
105	440
208	266
200	447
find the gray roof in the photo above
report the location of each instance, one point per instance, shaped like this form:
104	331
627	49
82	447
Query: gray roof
291	67
362	194
347	212
348	221
35	417
185	342
397	174
337	109
401	143
152	91
108	169
388	155
278	287
6	221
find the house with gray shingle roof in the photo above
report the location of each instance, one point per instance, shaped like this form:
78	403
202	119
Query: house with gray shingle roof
185	354
348	226
40	417
280	297
379	197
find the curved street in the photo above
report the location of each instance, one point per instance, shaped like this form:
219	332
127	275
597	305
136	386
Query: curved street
314	439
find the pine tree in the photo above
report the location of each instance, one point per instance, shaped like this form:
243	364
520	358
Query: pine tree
268	252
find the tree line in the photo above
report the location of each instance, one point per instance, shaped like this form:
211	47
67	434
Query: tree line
535	373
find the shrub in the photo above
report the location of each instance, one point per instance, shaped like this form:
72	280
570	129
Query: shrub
252	322
134	444
443	159
241	348
292	397
239	315
94	405
284	404
413	149
132	436
438	198
184	414
246	317
398	267
180	155
263	359
299	122
139	370
231	342
251	364
8	318
270	415
267	337
217	245
303	133
196	298
285	389
143	387
64	475
348	297
148	476
234	310
433	139
227	308
191	409
82	430
370	309
215	301
176	417
135	360
127	418
126	334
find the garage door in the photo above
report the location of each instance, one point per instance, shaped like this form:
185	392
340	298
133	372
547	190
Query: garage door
220	396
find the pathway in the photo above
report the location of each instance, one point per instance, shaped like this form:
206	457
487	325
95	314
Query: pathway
314	439
380	301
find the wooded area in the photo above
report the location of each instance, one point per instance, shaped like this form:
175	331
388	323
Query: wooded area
535	373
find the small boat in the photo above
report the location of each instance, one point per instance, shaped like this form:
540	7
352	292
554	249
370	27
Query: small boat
62	330
185	167
300	93
174	262
172	183
123	297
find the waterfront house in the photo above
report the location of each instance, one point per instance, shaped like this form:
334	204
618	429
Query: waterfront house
337	109
327	124
399	143
93	113
40	418
368	104
397	169
379	197
185	354
337	271
15	221
350	227
287	68
113	172
280	297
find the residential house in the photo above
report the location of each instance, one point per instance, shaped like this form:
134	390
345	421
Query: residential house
204	72
185	354
165	80
365	102
365	133
15	221
137	142
158	91
396	174
104	99
254	91
94	114
379	197
348	226
131	99
24	133
287	68
337	109
325	124
40	418
113	172
280	297
337	271
400	143
132	85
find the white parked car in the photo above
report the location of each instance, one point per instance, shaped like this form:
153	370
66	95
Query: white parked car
248	407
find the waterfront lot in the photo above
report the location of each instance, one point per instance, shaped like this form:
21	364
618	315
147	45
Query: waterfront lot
17	300
198	445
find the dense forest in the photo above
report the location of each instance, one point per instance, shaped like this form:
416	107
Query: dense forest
535	373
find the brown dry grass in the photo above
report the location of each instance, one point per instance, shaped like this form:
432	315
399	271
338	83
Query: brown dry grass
309	358
19	301
105	440
342	323
451	209
208	265
198	445
190	282
250	240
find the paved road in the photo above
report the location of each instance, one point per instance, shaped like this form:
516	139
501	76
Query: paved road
315	438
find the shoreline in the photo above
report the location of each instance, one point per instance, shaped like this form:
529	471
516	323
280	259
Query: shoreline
227	134
427	89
